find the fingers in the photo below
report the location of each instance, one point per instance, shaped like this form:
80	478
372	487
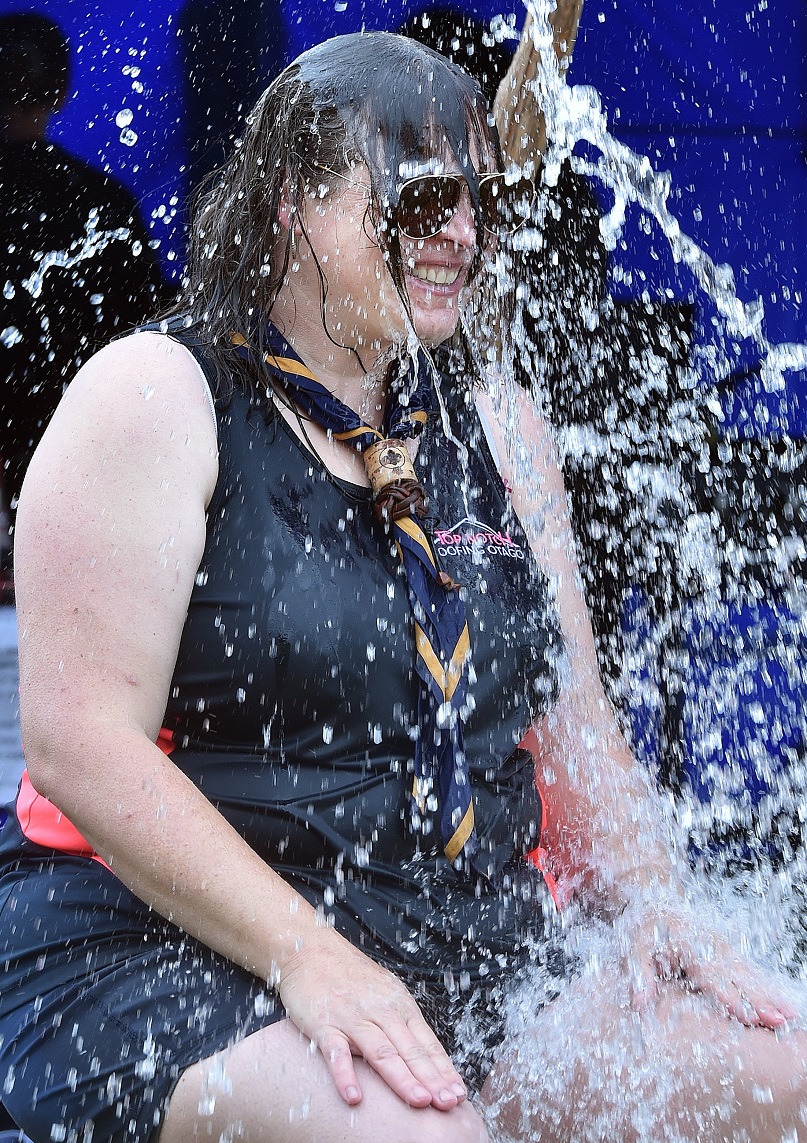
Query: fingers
411	1060
428	1060
414	1065
708	965
742	991
339	1058
374	1017
751	1005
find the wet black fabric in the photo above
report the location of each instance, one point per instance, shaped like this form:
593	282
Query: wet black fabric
103	1003
294	700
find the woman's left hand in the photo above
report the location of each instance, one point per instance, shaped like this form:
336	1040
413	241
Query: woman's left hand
673	945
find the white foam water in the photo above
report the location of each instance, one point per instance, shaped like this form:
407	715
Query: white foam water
627	1085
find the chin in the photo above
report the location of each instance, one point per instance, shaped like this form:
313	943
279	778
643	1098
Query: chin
433	331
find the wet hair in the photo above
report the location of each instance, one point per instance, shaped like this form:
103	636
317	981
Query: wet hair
34	61
466	41
375	98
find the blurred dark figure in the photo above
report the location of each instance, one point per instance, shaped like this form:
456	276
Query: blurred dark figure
464	40
55	316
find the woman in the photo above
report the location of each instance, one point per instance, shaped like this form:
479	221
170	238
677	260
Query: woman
268	858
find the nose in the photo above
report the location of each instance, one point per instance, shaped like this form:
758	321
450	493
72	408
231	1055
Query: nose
461	227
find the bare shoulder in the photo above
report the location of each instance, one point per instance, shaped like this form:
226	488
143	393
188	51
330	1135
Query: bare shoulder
110	531
137	399
144	369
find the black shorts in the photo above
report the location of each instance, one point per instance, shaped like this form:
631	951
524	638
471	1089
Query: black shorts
103	1003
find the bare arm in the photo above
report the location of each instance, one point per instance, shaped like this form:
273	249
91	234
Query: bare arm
520	122
607	821
110	532
602	831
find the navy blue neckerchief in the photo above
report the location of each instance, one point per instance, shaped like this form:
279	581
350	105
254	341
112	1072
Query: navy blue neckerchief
442	639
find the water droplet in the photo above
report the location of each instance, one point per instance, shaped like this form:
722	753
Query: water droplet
756	712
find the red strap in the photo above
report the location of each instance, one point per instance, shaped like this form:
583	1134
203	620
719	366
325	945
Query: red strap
45	825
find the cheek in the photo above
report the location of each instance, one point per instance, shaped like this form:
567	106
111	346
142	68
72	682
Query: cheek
376	278
409	253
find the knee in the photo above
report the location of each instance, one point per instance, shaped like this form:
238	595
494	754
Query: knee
462	1125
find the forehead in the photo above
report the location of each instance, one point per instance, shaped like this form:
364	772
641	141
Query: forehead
405	145
442	164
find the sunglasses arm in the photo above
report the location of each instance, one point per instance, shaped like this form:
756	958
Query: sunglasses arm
519	120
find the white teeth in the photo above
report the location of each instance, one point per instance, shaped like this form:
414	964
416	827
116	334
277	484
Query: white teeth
438	276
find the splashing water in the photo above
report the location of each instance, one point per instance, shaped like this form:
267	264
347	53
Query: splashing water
725	663
93	243
759	628
574	114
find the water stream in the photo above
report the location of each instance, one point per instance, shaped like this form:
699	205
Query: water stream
710	674
714	566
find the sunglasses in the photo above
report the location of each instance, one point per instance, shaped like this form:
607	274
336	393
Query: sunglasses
427	203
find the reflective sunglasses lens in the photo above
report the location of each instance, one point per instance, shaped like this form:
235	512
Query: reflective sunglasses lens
427	204
505	206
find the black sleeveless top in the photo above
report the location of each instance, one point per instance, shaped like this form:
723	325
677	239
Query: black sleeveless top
294	699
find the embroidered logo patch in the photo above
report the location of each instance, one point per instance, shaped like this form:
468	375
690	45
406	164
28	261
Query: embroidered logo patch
473	539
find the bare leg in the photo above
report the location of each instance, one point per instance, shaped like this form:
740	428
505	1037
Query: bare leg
683	1071
271	1088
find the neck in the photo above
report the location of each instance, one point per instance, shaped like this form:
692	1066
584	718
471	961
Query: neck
356	375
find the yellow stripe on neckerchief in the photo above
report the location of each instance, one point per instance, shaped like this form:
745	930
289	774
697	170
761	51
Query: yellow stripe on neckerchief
441	779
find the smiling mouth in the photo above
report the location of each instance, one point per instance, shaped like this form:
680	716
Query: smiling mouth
435	275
